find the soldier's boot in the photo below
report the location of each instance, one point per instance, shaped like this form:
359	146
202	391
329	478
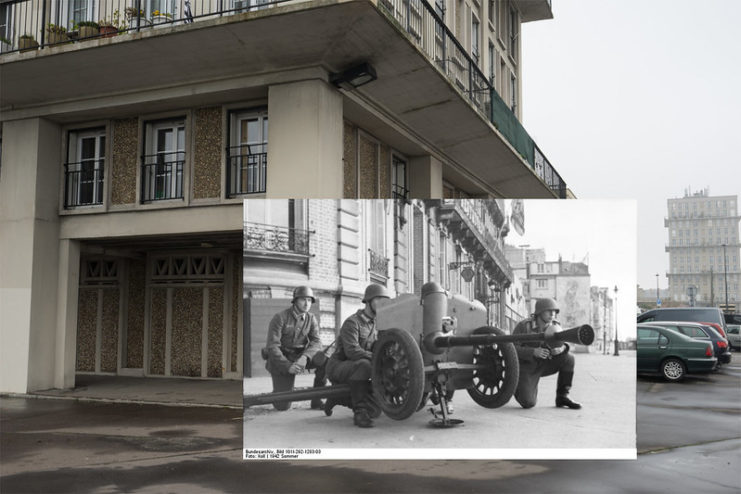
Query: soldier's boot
361	418
358	396
562	391
320	380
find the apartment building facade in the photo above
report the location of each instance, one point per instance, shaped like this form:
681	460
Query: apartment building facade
126	155
340	246
704	250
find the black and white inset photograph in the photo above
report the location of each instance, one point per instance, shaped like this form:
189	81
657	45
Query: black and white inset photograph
439	329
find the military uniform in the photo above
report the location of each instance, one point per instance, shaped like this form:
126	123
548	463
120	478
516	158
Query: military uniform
351	361
291	335
532	368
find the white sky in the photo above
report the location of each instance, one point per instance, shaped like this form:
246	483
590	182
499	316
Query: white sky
637	99
603	229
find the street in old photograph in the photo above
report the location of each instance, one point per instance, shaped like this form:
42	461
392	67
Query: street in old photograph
430	319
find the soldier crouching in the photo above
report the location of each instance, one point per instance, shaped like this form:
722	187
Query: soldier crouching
294	346
538	359
351	362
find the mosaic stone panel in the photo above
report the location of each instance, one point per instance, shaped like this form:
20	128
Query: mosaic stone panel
187	327
215	330
87	314
384	173
109	331
135	316
124	161
207	153
158	331
236	302
350	165
368	151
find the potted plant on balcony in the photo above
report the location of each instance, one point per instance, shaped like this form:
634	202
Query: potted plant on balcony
5	44
133	16
161	17
26	42
88	29
56	34
107	29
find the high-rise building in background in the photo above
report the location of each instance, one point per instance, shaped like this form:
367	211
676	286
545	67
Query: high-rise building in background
703	247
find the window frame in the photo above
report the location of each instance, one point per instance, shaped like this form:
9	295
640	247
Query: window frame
257	170
150	147
73	156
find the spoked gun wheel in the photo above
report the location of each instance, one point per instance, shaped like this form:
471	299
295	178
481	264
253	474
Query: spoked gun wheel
398	373
494	385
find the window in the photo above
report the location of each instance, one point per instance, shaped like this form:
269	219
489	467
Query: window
513	93
542	283
83	172
377	261
6	26
513	33
492	64
400	189
162	167
475	39
493	12
248	153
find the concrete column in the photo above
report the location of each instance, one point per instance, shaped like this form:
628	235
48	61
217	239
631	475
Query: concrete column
305	141
425	178
29	243
67	298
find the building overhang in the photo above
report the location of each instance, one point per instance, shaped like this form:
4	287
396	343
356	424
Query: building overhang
236	57
534	10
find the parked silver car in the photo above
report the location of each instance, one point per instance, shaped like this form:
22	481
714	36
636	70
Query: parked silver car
734	338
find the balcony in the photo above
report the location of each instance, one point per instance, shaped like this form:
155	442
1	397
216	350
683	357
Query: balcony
162	177
247	169
149	63
83	183
378	267
474	225
534	10
270	240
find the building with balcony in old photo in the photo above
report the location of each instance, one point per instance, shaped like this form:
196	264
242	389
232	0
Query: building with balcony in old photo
132	130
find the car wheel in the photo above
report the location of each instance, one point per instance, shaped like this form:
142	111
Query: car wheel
673	369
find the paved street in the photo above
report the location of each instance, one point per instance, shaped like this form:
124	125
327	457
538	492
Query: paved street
689	435
604	384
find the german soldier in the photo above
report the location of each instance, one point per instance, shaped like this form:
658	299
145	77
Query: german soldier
294	346
537	359
351	362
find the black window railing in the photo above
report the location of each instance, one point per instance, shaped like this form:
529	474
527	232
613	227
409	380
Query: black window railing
247	169
378	266
400	192
259	237
162	176
83	183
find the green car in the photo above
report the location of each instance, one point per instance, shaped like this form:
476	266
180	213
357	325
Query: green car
672	354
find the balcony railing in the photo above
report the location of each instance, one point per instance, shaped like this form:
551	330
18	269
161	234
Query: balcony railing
378	265
428	31
34	24
83	183
270	238
162	176
247	169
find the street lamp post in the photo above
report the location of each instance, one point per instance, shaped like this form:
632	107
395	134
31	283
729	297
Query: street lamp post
617	353
657	290
725	276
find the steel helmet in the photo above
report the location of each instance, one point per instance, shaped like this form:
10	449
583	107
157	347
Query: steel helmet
303	291
543	304
375	290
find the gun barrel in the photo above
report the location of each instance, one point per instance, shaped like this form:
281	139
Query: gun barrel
300	394
583	335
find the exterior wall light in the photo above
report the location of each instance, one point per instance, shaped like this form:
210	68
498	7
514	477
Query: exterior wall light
354	77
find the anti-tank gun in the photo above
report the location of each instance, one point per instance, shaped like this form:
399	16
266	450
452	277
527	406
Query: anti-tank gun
425	355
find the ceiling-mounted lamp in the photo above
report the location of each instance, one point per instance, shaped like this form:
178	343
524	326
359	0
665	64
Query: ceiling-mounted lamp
354	77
